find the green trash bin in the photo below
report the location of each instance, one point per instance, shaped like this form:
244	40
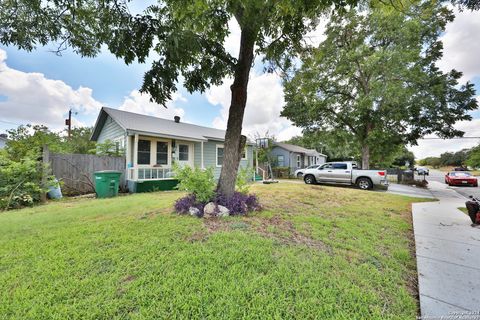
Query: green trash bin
106	183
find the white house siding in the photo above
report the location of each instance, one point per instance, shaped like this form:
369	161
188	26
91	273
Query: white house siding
111	131
210	156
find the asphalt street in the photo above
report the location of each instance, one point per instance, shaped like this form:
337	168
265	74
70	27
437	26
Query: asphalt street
439	176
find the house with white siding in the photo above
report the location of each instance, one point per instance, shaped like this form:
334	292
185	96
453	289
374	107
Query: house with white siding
153	144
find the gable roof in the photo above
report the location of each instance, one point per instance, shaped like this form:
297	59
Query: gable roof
298	149
140	123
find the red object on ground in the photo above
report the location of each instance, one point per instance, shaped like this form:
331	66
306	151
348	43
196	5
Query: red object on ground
459	178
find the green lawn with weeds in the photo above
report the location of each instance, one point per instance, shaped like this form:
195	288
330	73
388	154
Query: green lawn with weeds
315	252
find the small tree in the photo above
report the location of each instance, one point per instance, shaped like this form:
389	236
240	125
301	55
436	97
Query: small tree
28	140
473	159
108	148
79	141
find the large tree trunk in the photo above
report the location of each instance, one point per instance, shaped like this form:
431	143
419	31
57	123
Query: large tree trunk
233	143
365	157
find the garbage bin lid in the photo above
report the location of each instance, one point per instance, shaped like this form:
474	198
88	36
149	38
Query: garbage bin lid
108	171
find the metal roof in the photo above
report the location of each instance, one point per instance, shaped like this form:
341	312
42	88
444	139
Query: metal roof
298	149
139	123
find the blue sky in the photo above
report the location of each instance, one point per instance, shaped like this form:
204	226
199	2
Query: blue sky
39	87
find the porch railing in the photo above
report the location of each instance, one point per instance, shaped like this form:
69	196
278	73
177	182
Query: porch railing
150	173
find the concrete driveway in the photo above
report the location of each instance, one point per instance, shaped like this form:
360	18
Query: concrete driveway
448	256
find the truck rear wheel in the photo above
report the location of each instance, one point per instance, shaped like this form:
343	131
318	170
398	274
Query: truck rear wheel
309	179
364	183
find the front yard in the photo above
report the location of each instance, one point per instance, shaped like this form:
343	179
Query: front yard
314	252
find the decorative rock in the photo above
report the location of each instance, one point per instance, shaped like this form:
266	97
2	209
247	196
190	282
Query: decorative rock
210	209
194	212
223	211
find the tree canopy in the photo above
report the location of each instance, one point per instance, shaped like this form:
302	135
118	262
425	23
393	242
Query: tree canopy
26	141
374	79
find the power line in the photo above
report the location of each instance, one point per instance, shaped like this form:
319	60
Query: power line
437	138
17	124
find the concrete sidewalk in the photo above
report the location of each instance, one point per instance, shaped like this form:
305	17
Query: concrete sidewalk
448	255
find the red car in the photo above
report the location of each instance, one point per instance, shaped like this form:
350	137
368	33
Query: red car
460	178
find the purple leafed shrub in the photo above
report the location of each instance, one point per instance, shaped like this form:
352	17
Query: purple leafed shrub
239	203
182	205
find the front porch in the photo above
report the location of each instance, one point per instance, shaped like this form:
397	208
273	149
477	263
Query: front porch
149	160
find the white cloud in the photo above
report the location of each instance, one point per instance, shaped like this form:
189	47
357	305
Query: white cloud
461	44
264	104
232	41
32	98
140	103
317	36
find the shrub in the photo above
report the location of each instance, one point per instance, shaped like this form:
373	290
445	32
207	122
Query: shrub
198	182
244	177
184	204
239	203
20	182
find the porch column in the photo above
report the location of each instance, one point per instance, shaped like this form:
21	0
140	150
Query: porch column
256	160
135	156
201	152
128	154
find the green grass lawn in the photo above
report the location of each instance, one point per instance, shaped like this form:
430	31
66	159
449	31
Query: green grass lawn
314	252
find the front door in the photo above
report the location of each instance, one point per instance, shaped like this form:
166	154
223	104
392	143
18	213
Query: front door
185	154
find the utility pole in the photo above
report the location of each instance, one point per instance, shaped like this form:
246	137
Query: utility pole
68	122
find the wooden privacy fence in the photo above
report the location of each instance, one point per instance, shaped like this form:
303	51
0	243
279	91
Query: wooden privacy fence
76	170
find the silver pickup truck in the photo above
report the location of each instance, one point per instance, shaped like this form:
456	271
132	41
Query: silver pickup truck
346	173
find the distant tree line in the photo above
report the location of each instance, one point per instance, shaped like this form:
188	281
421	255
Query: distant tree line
465	157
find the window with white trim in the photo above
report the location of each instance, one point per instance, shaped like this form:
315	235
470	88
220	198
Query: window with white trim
183	152
299	161
219	155
244	153
281	161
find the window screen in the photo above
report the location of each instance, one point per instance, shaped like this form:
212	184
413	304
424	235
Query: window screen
281	161
143	152
183	152
162	152
219	156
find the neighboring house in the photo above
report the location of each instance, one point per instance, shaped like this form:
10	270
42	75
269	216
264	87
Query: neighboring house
3	140
295	157
152	144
